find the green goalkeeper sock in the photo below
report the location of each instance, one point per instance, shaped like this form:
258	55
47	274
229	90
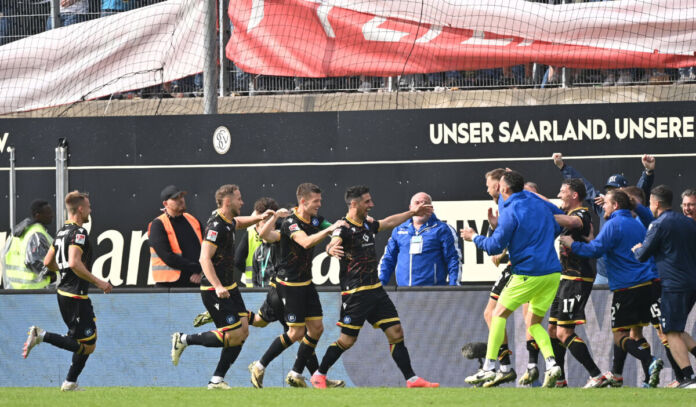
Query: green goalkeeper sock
495	337
543	340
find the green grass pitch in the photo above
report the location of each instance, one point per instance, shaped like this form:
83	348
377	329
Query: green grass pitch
352	397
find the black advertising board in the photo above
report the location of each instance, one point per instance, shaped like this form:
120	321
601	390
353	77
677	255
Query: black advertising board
123	162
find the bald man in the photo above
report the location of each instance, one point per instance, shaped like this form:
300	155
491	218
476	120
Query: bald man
423	250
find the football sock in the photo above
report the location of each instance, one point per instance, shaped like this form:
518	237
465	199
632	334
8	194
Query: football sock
277	347
496	335
63	342
578	348
687	373
332	354
641	351
210	339
227	357
312	363
675	367
533	350
78	363
559	350
504	355
542	339
403	360
306	349
618	360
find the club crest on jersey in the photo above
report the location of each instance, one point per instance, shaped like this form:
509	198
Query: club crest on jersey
294	227
89	332
212	235
292	318
347	320
315	221
231	319
80	239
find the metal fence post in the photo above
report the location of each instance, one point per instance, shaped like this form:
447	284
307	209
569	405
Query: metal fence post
223	37
209	72
61	181
55	14
13	188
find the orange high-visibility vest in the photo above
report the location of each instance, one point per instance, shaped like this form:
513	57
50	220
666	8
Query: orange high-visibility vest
161	272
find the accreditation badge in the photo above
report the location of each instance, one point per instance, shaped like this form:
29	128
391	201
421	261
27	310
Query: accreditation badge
416	245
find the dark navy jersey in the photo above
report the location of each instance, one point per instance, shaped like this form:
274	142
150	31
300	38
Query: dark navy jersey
72	235
574	265
219	231
294	261
359	264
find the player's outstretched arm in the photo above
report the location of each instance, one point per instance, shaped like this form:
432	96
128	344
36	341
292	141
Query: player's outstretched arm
78	267
268	231
312	240
390	222
244	222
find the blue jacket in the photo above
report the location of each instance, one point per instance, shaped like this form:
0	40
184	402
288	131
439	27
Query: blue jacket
645	183
527	228
439	257
671	240
614	242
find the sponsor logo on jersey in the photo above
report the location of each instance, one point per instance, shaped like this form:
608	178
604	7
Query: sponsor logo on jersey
212	235
80	239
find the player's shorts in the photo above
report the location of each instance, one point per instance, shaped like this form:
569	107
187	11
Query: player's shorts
78	315
225	312
568	308
373	306
272	308
301	303
501	282
656	305
676	307
538	291
631	307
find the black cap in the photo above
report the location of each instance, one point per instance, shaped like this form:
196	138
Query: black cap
170	191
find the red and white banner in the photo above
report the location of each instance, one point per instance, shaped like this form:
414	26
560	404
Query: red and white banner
125	51
320	38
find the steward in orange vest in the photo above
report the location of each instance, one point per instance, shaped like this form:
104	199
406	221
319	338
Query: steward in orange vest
175	243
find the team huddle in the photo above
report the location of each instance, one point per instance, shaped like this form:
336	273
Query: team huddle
652	275
648	286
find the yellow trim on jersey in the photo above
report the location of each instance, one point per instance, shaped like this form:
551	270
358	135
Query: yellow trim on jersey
223	217
211	288
354	222
342	325
385	321
577	278
72	295
291	284
209	242
89	338
313	318
573	322
228	327
294	210
577	209
363	288
295	323
627	327
74	245
635	286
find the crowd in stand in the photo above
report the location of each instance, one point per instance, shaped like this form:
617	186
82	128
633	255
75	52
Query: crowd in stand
22	18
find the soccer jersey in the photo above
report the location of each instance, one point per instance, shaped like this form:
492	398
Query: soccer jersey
72	235
294	261
574	265
219	232
359	265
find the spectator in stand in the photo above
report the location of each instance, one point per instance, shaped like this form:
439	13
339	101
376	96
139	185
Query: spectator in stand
71	12
689	203
109	7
